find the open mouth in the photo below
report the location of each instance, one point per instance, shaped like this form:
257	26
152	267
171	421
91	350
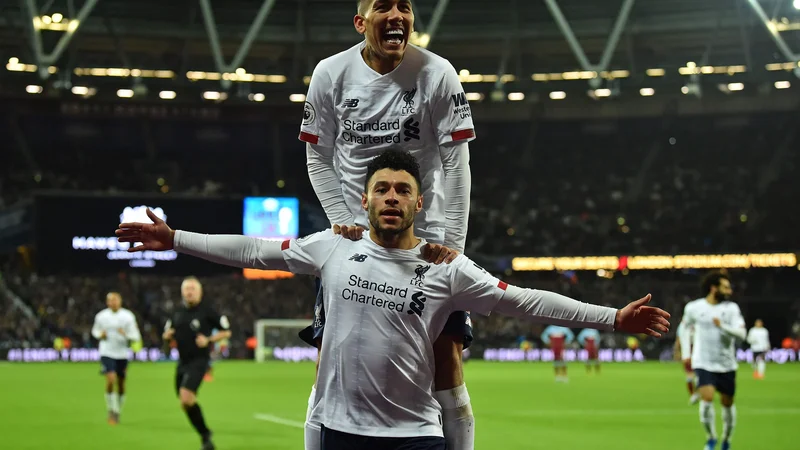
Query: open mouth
392	213
394	36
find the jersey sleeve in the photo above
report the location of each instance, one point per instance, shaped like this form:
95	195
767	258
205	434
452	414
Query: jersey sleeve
132	332
97	326
219	321
319	116
473	288
452	116
307	255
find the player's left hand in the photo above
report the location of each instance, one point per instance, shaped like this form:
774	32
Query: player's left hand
121	331
201	341
437	253
350	232
636	318
717	322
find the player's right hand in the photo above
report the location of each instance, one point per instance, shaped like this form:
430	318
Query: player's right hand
156	236
350	232
168	334
103	336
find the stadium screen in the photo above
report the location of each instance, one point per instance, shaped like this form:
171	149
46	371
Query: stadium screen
273	218
75	234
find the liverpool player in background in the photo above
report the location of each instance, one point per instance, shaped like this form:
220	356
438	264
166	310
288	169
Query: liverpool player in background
376	370
115	327
558	337
758	338
717	324
384	92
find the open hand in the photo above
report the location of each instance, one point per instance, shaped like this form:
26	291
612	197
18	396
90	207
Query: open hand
350	232
201	341
636	318
437	253
156	236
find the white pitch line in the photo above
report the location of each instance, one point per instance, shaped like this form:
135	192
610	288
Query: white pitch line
279	420
689	410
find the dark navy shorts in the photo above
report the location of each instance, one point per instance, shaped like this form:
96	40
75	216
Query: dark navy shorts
111	365
189	374
723	382
458	324
337	440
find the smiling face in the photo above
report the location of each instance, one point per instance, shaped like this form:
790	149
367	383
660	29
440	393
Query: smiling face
392	200
386	25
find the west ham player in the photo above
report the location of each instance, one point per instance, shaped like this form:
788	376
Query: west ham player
557	338
191	326
115	327
758	338
589	338
384	93
717	323
386	306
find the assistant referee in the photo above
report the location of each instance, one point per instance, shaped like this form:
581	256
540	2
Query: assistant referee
190	326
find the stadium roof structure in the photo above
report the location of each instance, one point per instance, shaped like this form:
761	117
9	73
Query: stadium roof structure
511	45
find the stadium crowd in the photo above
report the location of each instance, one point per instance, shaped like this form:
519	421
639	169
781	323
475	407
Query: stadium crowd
633	186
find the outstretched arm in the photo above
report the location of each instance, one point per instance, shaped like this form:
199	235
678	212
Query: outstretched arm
232	250
556	309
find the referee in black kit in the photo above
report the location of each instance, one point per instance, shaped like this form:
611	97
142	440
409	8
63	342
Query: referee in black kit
190	326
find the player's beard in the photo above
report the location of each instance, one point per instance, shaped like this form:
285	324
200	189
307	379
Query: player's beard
723	297
407	220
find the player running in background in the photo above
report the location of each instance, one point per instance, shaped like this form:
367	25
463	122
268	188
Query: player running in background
385	93
376	371
758	338
683	343
191	326
717	323
558	337
589	338
115	327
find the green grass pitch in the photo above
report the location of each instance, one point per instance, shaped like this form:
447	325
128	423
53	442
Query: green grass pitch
516	405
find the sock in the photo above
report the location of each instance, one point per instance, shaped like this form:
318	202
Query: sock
312	430
114	402
121	402
762	366
458	422
728	422
708	419
196	417
110	405
690	384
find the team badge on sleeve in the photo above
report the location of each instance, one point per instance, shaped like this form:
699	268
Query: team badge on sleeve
309	114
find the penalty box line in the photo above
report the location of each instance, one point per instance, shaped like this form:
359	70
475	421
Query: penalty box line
279	420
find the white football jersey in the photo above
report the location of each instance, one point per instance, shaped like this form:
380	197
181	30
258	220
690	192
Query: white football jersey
758	338
359	113
115	345
712	349
376	368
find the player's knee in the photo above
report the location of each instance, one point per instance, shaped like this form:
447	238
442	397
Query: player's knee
726	400
187	398
111	378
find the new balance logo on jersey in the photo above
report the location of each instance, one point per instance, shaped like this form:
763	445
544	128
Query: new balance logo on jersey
350	103
408	98
411	129
420	272
417	304
358	257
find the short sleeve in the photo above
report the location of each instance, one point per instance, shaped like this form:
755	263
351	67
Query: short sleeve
307	255
473	288
218	321
319	116
452	116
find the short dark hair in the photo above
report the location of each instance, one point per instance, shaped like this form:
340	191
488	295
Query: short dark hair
397	160
712	279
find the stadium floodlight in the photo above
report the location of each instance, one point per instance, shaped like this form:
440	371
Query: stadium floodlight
257	97
212	95
558	95
685	89
167	95
516	96
784	84
655	72
735	86
80	90
33	89
57	17
297	98
796	4
602	92
124	93
647	92
474	96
